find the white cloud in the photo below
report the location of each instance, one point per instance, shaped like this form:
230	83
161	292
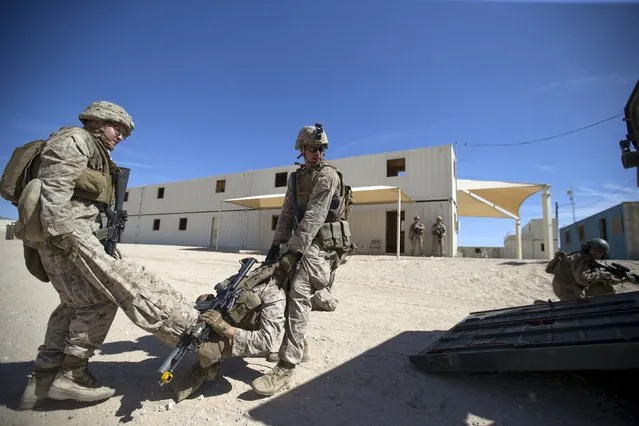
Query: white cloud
575	83
131	164
545	168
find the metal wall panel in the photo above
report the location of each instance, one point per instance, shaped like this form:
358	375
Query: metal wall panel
428	179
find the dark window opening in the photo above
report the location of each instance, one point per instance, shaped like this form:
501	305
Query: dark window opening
603	231
182	226
160	192
274	222
395	167
156	224
280	179
126	196
220	186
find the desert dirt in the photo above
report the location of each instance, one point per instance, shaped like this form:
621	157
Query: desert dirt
359	372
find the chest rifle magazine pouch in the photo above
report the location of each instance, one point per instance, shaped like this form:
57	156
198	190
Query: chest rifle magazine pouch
245	304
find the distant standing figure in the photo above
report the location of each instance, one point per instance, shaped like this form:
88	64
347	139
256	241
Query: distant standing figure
439	232
416	236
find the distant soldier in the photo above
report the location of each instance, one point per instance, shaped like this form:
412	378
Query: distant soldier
576	275
439	232
416	236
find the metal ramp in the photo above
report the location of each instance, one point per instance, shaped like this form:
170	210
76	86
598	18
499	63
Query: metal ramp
590	334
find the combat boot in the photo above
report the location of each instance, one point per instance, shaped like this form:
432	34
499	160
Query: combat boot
275	380
75	381
193	379
37	387
275	357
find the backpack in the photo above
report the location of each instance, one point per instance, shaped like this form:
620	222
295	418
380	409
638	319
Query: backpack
20	170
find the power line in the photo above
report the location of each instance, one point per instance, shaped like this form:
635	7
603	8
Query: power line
607	197
546	138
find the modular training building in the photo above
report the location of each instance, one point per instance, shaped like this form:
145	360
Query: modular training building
240	210
619	225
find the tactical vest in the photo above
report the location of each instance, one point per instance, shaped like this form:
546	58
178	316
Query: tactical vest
335	234
245	312
23	166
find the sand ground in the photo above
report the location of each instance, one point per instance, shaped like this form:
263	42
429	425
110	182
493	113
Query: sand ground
359	372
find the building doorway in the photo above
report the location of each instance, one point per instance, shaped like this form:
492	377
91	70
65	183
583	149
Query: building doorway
391	232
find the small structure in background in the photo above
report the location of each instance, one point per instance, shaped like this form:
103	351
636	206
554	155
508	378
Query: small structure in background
7	227
533	245
619	225
481	252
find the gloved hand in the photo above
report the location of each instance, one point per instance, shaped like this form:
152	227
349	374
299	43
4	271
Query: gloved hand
273	254
63	243
288	262
204	298
215	320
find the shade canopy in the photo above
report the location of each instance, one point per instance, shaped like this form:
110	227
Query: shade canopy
479	198
361	195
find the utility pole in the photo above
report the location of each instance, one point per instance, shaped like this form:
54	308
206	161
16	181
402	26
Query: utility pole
572	201
557	220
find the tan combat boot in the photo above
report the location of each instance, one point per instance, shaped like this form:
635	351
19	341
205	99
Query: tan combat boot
75	381
275	357
37	387
193	379
275	380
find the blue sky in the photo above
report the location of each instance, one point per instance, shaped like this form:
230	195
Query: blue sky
220	87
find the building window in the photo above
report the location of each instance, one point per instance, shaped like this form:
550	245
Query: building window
567	237
603	232
220	186
182	226
274	222
396	167
582	233
156	224
617	225
126	196
161	192
280	179
543	247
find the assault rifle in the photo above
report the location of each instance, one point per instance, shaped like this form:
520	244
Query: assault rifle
116	217
200	332
619	271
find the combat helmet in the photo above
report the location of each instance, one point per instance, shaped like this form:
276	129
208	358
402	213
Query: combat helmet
108	111
438	219
597	243
312	136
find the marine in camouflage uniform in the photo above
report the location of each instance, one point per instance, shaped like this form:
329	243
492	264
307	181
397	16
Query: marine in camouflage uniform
575	277
256	335
75	173
307	258
416	236
439	232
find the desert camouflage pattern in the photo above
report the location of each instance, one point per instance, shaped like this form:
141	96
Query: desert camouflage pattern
90	283
108	111
416	237
64	158
439	232
269	330
313	272
323	183
573	275
307	137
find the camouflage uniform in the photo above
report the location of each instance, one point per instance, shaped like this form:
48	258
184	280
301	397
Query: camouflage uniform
416	236
573	275
439	232
316	201
314	268
90	283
